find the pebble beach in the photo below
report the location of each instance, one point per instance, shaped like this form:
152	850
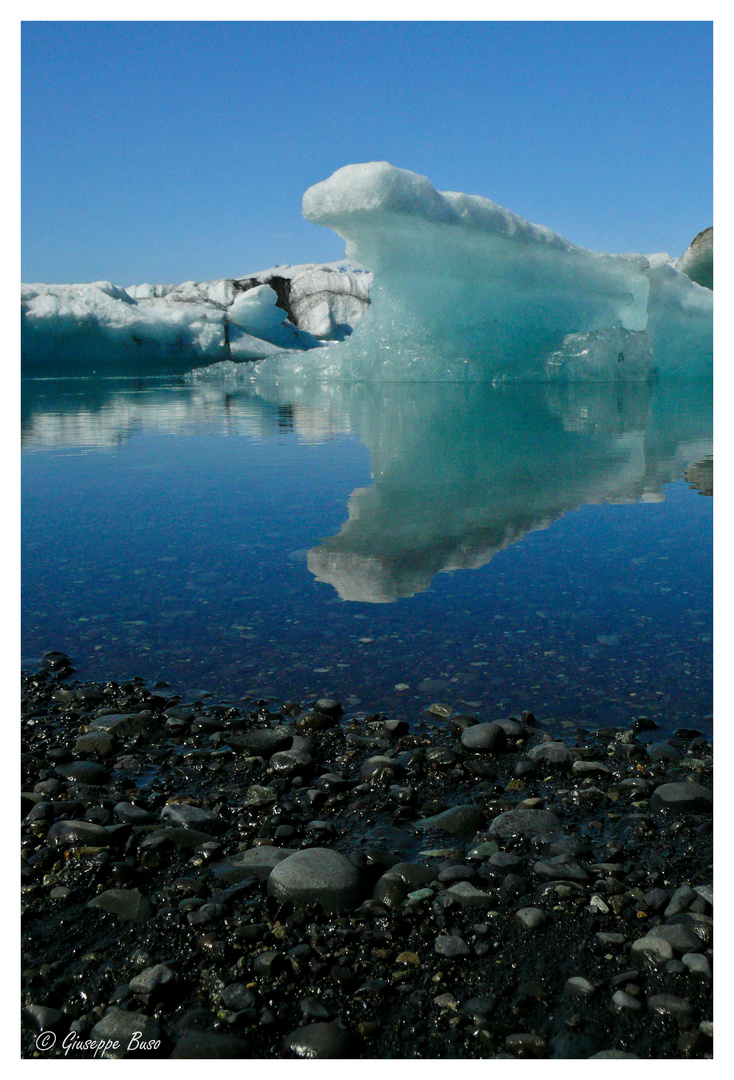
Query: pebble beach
284	879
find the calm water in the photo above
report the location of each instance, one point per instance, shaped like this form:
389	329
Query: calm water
493	548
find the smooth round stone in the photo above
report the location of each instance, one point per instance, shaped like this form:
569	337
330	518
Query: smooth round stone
193	817
439	709
134	815
697	964
264	742
290	762
413	874
315	721
94	742
680	937
682	798
255	862
85	772
670	1005
554	755
577	986
128	905
655	949
119	1026
323	1040
329	707
623	1002
70	833
316	876
484	737
463	820
524	822
531	918
152	980
381	769
560	869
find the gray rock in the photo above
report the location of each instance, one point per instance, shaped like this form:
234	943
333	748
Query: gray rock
560	868
531	918
698	964
154	980
670	1005
524	822
680	901
590	768
134	815
469	896
127	1030
125	725
263	742
682	798
316	876
329	707
255	862
554	755
70	833
193	817
291	762
462	820
490	738
680	937
381	770
323	1040
237	997
613	1054
526	1045
413	874
577	986
128	905
451	946
85	772
95	742
623	1002
656	950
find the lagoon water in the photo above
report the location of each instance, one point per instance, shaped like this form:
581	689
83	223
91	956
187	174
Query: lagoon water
392	546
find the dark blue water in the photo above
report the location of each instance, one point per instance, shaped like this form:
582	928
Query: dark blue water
392	547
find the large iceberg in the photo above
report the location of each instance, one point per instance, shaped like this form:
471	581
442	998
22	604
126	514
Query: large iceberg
167	329
464	287
463	290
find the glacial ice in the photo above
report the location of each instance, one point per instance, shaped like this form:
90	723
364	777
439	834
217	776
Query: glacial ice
463	290
466	288
167	329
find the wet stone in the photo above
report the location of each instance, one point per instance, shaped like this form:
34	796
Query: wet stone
127	1030
316	876
193	817
531	918
451	946
682	798
671	1005
255	862
553	755
85	772
462	820
524	822
320	1040
624	1002
128	905
490	738
68	834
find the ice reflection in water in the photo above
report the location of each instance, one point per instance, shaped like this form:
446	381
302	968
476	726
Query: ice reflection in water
202	579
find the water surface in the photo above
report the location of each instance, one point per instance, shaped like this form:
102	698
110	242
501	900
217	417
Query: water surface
495	548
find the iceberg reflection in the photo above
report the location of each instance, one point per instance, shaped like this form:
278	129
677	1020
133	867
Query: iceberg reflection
459	471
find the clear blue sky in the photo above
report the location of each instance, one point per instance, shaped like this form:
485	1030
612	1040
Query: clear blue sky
168	151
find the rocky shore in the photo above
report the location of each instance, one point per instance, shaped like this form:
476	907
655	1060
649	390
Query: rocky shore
203	879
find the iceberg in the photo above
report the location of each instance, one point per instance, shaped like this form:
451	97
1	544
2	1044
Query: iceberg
466	288
167	329
458	289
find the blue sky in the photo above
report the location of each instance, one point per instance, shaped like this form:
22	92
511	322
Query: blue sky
168	151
